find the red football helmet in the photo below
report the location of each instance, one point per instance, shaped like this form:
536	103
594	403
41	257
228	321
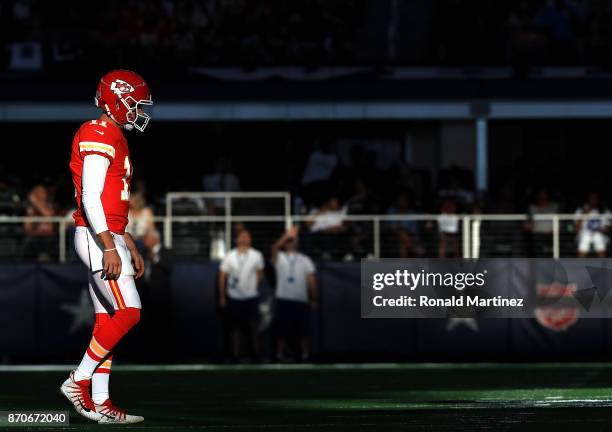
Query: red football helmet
122	94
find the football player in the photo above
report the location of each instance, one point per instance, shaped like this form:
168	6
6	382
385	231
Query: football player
101	172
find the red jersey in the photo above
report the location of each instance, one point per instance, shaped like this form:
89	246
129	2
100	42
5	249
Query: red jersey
104	139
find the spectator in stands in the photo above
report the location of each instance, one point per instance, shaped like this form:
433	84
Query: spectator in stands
296	296
155	255
140	218
361	201
318	172
329	218
448	228
404	231
328	229
240	273
592	227
540	231
41	241
223	179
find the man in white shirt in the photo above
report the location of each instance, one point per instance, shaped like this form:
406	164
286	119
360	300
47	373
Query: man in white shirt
296	293
592	230
240	273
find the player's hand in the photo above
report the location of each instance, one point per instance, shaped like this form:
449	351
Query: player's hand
293	231
111	263
138	263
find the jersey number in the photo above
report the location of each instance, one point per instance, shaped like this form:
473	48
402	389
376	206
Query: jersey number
125	193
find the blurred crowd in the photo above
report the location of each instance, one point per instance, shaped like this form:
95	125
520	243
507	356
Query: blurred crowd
333	194
36	34
522	33
329	196
45	204
186	32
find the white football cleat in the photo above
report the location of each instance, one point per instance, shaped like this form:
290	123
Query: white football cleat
111	414
77	392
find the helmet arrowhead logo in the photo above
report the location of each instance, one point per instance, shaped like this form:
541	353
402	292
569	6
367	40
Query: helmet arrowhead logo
120	87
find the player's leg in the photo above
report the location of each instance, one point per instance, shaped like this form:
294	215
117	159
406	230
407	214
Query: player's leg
101	377
126	316
100	381
126	302
77	388
120	296
109	332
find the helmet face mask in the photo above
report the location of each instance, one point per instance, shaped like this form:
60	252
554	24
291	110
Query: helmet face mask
122	95
136	115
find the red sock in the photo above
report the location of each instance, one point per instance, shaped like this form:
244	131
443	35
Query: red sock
101	377
111	332
108	333
104	367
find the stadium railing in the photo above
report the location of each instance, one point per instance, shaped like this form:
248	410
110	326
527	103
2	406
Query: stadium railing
204	236
231	204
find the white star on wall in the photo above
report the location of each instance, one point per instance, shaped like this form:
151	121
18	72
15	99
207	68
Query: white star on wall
468	322
82	312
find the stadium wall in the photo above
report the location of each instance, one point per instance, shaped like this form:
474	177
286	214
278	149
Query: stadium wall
46	316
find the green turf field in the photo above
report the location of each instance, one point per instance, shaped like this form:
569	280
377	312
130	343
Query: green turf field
419	397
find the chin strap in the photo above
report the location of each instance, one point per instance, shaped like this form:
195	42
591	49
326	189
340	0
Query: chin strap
128	126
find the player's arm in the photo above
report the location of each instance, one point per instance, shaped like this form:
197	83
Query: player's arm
93	177
136	256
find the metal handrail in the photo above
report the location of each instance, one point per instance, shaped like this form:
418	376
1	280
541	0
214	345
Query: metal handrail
227	196
470	223
348	217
